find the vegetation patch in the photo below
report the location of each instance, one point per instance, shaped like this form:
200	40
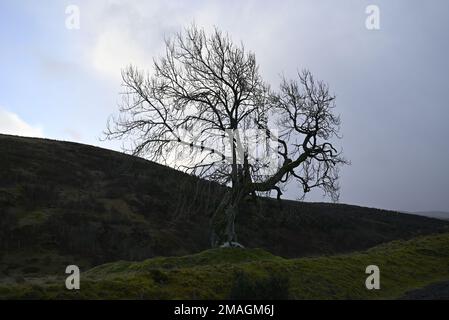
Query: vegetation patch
256	274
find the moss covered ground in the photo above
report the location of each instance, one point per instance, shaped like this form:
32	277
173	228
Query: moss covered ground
217	274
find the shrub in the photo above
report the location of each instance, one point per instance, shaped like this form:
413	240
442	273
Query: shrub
158	276
273	287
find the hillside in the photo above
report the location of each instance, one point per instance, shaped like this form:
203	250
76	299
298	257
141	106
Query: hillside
433	214
256	274
63	203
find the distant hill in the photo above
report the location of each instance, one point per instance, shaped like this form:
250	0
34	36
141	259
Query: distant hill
64	202
433	214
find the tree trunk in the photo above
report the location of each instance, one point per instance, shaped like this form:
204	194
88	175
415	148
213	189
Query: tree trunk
223	222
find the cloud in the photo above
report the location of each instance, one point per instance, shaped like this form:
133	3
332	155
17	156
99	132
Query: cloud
11	123
120	33
115	50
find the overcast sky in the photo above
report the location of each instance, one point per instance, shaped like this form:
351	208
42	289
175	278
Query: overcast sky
392	84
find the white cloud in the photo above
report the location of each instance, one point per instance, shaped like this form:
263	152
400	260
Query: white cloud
120	33
11	123
114	50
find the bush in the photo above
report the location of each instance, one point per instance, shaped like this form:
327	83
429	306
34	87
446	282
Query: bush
158	276
274	287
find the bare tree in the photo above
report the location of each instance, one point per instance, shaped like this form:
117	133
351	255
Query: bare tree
194	113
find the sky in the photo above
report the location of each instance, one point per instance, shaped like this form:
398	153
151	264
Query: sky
391	83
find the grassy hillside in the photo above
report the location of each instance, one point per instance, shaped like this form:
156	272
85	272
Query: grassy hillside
255	273
66	203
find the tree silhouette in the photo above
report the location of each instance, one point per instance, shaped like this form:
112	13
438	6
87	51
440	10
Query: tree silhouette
206	110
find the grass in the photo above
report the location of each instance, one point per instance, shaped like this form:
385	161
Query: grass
212	274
